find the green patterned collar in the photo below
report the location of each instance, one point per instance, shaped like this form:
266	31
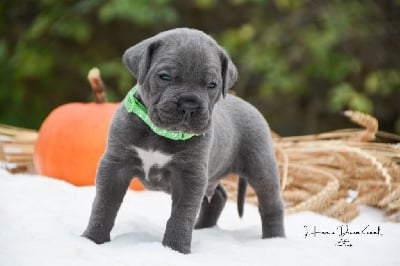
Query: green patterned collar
133	105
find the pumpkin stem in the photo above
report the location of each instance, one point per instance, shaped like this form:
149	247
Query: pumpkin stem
97	85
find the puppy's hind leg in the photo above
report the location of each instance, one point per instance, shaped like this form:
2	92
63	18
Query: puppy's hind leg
211	210
263	176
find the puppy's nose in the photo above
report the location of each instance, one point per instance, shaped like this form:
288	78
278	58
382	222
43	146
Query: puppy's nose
188	105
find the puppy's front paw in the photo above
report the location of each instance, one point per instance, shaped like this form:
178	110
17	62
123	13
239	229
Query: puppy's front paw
176	245
178	235
96	237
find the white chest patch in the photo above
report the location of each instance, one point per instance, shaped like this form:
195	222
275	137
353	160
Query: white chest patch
152	158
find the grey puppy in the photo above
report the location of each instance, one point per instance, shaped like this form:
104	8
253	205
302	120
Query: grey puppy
183	77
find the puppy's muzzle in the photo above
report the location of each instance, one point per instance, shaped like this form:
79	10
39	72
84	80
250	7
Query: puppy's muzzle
188	106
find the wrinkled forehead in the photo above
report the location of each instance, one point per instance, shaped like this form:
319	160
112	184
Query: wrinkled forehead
189	56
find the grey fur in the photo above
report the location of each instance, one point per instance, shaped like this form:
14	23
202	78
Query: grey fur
233	138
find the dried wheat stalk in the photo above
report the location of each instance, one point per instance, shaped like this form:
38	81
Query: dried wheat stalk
16	148
318	170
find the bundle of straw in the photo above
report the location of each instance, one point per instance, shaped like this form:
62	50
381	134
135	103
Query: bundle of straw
332	173
16	148
329	173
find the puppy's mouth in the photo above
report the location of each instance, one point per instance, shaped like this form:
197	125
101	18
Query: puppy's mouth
171	117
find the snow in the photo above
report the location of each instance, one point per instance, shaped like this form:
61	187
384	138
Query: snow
41	220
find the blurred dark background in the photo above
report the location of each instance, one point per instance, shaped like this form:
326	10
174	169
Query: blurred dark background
301	62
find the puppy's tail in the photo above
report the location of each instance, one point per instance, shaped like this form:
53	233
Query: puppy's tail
241	195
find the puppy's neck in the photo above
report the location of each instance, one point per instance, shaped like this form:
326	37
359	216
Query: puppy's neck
139	98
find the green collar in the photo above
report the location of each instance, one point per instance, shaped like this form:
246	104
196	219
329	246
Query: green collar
133	105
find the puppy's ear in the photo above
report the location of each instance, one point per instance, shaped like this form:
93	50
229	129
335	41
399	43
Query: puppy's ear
138	58
229	72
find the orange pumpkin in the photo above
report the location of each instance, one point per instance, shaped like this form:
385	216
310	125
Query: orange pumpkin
71	141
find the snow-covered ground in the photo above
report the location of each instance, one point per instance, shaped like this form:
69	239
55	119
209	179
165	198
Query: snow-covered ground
41	220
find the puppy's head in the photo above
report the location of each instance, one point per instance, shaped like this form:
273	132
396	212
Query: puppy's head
182	73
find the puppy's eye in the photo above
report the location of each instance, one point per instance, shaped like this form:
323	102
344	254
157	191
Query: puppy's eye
165	77
212	85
